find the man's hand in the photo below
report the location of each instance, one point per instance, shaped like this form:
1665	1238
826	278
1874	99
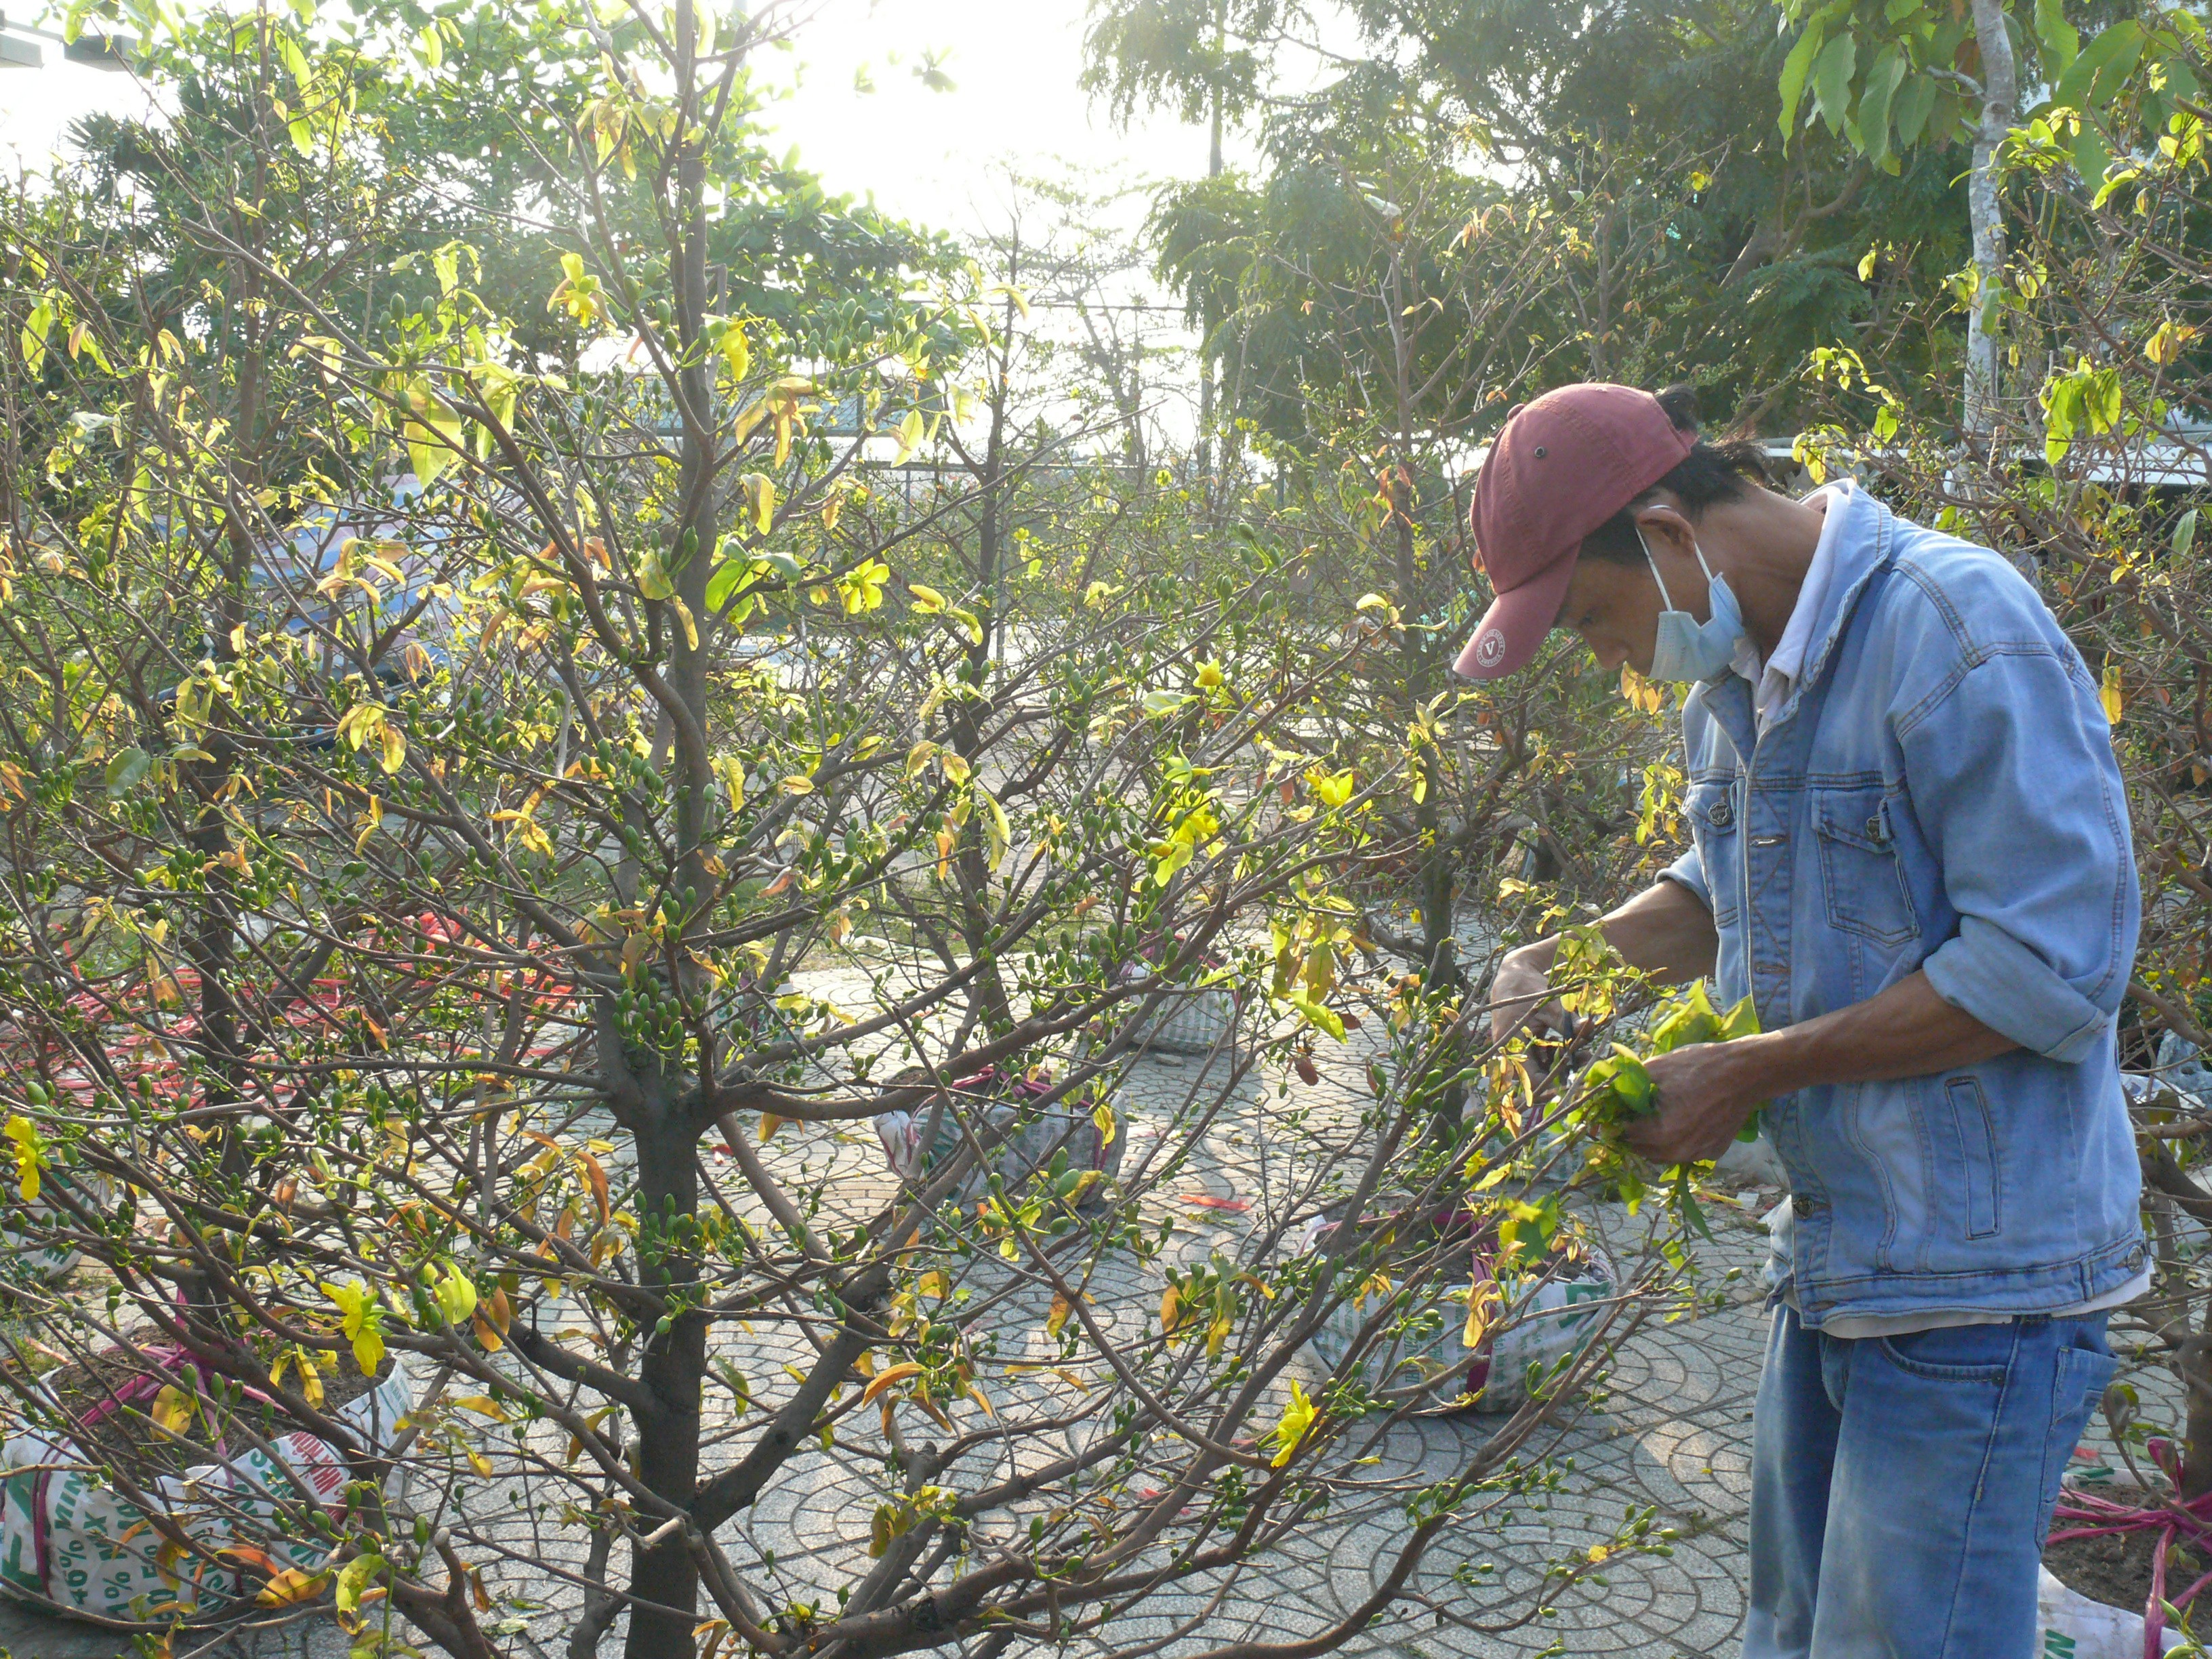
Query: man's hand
1521	992
1706	1091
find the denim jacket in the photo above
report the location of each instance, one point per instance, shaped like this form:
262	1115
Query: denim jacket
1939	793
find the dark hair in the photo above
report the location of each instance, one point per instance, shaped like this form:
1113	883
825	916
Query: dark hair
1710	473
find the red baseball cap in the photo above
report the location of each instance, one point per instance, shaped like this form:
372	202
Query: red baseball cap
1563	466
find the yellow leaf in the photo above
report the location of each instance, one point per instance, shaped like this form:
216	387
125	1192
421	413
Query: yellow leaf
956	765
395	748
1480	1299
291	1587
482	1406
927	601
29	1147
1102	1115
888	1376
2109	693
737	351
368	1350
1061	1309
1330	788
683	615
1298	1417
796	785
172	1408
732	773
930	1284
769	1124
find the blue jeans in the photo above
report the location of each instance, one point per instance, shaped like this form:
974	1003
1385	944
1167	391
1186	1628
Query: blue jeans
1901	1487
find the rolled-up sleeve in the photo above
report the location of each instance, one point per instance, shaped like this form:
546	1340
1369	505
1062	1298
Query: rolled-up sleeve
1689	870
2015	786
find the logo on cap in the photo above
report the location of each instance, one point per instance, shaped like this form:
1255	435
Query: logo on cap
1489	648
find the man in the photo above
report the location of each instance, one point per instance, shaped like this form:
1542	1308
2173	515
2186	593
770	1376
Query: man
1911	845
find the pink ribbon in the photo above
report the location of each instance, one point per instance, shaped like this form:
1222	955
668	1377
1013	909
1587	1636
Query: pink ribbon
2174	1519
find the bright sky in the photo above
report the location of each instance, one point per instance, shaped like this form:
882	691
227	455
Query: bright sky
935	156
940	157
37	105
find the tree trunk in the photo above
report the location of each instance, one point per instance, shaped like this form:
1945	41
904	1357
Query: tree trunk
673	1366
2000	101
971	904
673	1361
2196	1368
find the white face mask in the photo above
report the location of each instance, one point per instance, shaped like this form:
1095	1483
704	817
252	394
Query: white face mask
1686	648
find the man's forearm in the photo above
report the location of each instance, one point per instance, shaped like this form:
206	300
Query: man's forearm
1663	931
1906	1030
1707	1090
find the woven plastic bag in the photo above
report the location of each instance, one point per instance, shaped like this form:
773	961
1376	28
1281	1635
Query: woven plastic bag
2070	1626
28	1255
1197	1019
1539	1321
1029	1138
66	1540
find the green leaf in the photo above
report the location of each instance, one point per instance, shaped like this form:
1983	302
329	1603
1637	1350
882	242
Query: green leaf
456	1294
1692	1019
1874	98
356	1579
2092	160
723	582
2061	42
1692	1212
127	768
1795	68
2103	64
1910	110
1327	1018
1831	79
2184	533
2102	401
1621	1080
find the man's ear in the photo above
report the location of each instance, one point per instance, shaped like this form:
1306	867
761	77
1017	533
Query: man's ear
1667	530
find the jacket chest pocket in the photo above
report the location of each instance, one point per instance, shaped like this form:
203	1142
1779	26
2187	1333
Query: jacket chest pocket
1711	810
1860	871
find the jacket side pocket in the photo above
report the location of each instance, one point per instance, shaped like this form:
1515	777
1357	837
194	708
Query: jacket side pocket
1976	1133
